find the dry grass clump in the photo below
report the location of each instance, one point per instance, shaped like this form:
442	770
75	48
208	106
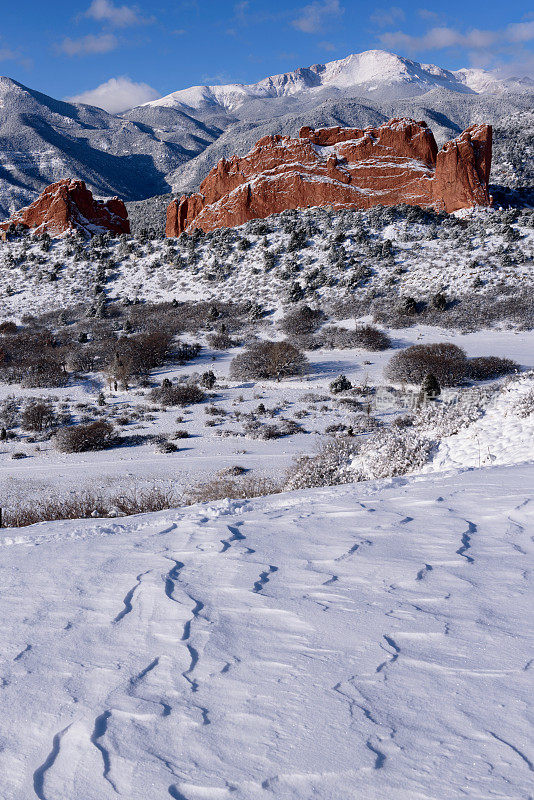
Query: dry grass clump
79	506
86	505
144	501
223	486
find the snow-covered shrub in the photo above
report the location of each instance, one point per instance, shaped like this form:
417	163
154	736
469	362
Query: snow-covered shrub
44	375
9	411
328	467
372	338
138	354
268	360
259	430
340	384
87	358
220	341
447	362
185	352
391	452
524	406
164	446
38	415
437	420
80	438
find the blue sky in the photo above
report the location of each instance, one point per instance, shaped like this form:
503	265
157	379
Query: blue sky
132	52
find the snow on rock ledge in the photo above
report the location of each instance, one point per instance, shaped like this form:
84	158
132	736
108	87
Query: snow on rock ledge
69	205
396	163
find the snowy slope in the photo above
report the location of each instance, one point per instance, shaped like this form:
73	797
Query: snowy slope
503	435
481	80
364	641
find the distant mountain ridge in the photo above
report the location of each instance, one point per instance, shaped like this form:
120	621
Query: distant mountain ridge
170	144
373	72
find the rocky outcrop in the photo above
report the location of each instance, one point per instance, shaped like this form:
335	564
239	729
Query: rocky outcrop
462	171
69	205
397	162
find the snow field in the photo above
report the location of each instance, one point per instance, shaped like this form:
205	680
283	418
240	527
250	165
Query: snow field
370	640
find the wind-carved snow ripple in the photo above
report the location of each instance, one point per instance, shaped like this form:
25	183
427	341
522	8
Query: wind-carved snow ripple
264	579
99	730
421	575
466	541
128	599
394	656
40	772
171	578
514	749
236	536
355	547
170	585
373	742
136	680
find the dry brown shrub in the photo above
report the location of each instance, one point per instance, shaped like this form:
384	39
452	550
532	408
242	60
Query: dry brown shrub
446	361
183	394
268	360
80	438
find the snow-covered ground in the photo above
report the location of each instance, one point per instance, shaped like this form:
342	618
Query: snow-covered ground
370	640
45	471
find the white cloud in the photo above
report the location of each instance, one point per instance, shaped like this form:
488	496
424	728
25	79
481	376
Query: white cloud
384	17
117	94
520	32
6	54
431	16
118	16
440	38
313	17
90	44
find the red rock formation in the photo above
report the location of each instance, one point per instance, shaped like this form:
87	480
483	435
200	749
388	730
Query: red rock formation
68	205
343	168
462	171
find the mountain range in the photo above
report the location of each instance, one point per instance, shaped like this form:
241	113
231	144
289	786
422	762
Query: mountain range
169	145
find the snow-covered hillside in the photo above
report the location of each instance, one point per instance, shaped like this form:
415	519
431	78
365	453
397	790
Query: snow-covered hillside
373	257
364	641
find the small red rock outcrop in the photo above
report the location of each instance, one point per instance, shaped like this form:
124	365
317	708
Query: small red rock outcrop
68	205
397	162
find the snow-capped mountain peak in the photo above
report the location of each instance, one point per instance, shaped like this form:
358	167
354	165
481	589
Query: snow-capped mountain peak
369	72
480	81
